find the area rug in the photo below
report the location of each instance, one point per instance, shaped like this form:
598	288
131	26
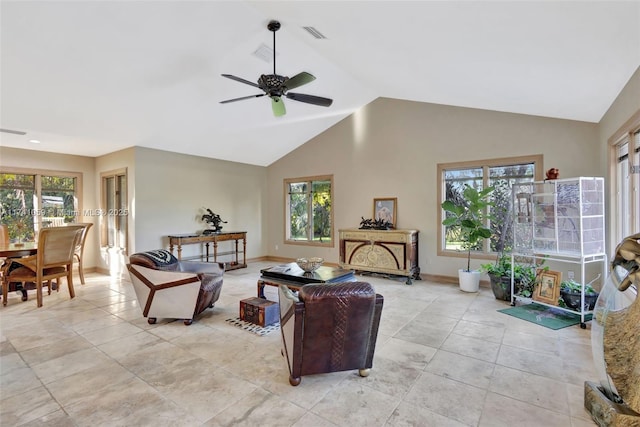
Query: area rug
253	328
548	317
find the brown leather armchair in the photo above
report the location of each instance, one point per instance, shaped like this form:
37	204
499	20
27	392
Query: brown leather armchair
157	293
329	328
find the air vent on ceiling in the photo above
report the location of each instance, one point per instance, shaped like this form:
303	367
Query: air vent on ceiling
315	33
16	132
264	52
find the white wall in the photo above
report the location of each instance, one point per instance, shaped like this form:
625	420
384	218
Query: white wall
391	148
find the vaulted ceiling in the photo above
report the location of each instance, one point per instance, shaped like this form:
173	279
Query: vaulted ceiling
93	77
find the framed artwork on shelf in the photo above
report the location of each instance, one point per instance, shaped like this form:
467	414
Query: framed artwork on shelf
548	287
386	209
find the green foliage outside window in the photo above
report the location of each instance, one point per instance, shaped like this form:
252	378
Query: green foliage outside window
310	211
501	178
18	200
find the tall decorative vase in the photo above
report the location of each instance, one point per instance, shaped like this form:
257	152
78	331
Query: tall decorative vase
469	280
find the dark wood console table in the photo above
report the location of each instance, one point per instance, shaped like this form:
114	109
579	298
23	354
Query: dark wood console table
178	240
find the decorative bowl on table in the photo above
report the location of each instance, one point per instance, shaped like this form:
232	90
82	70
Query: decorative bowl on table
309	265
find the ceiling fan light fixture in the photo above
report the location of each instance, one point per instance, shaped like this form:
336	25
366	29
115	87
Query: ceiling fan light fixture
277	105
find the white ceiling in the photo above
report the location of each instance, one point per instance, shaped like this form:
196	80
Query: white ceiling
93	77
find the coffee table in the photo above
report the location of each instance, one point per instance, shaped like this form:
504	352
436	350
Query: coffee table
294	277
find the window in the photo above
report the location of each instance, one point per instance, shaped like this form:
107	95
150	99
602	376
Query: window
30	200
499	173
625	146
115	209
308	210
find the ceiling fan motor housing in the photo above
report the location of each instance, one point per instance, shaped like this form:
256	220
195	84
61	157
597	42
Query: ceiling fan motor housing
273	84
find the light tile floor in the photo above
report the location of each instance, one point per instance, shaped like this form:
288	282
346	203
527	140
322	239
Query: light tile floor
444	358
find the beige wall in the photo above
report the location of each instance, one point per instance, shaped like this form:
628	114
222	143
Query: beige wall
391	148
41	160
172	190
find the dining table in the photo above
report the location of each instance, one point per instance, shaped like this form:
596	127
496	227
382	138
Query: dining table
14	250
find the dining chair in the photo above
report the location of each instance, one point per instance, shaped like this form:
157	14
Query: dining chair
79	249
54	259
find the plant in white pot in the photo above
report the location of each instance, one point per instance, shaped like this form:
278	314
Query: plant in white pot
467	215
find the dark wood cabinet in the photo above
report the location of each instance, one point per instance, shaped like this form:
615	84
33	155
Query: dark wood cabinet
392	252
233	252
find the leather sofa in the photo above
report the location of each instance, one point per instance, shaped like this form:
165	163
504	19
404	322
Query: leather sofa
329	328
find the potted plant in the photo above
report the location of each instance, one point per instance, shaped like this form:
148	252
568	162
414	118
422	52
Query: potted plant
467	215
570	295
524	277
500	276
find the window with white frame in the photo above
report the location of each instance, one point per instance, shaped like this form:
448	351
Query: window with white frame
309	210
499	173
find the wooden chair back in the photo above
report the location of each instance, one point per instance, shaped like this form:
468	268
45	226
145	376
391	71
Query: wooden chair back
57	245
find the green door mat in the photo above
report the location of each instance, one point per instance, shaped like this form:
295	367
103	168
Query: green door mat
542	315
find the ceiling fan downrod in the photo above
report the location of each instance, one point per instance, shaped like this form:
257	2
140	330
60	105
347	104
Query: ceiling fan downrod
273	27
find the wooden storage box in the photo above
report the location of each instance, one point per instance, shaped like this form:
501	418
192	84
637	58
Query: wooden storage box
259	311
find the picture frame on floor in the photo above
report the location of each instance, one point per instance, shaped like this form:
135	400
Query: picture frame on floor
547	288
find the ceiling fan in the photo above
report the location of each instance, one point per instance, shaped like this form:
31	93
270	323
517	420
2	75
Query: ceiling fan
276	86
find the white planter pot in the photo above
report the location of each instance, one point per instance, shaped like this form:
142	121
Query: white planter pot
469	280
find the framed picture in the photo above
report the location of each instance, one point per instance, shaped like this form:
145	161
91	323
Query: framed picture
548	287
385	209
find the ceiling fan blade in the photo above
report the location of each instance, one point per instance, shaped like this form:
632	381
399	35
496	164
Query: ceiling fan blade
310	99
298	80
241	80
277	104
241	98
